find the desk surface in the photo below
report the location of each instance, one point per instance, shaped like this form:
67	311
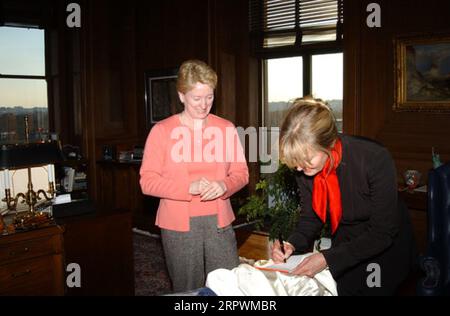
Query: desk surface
120	162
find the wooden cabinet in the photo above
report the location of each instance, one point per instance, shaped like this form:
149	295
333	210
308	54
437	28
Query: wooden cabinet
31	263
101	244
118	184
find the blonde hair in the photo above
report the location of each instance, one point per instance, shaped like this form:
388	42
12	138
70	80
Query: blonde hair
194	71
308	127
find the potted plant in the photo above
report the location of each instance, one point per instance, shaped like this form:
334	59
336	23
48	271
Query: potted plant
276	203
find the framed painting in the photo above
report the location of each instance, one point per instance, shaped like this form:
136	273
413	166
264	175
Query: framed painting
161	97
422	73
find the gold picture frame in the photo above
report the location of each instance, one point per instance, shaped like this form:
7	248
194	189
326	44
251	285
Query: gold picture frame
422	73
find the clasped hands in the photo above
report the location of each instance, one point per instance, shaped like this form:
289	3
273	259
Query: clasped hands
309	267
208	190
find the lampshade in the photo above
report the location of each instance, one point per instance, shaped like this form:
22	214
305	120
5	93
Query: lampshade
16	156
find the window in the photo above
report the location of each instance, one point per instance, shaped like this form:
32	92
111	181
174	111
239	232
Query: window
300	44
319	75
23	85
284	82
327	82
294	23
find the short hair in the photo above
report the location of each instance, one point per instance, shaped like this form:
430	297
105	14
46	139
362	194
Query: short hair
308	126
194	71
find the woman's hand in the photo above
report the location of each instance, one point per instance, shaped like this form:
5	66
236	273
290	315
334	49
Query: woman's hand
311	265
213	190
276	253
198	186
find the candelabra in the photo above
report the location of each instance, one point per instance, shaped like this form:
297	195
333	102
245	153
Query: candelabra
31	197
21	156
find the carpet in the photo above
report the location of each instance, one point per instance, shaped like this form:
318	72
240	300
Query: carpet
151	276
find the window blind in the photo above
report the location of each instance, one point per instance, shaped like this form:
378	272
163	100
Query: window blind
25	13
275	23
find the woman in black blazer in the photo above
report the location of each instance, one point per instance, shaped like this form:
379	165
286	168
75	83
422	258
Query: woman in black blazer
351	182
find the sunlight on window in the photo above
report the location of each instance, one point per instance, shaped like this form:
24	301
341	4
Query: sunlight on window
22	51
327	82
23	92
284	83
23	85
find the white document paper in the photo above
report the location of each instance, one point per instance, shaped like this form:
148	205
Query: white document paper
291	263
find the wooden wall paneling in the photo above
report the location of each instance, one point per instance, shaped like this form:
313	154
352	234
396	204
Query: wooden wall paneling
87	87
60	61
369	87
254	113
411	133
226	94
150	34
76	87
113	56
167	32
237	97
121	189
106	184
99	48
186	31
352	66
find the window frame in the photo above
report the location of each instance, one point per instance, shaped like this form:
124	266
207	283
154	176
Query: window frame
306	55
45	77
258	19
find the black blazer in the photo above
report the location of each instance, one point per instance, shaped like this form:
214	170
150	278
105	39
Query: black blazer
375	226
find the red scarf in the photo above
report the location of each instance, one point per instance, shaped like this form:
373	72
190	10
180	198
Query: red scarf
326	187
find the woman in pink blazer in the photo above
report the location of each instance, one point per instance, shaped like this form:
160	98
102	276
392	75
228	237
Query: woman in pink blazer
193	161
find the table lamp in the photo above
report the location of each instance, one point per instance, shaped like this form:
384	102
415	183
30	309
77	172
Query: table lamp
29	155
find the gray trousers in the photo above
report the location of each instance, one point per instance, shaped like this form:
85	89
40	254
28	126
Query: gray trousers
191	255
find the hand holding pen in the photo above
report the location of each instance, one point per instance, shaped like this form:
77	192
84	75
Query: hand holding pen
280	239
281	250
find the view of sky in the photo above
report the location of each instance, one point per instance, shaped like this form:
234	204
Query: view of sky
285	79
22	52
327	76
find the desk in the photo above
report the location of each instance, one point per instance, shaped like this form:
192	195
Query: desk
34	262
31	262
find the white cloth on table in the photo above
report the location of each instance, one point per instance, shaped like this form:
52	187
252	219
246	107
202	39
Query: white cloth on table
246	280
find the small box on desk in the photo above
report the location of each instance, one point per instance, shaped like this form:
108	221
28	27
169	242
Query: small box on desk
74	208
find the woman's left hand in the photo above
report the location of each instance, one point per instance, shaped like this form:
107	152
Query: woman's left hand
213	191
311	265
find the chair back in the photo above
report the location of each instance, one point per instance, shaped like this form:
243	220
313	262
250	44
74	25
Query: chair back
436	262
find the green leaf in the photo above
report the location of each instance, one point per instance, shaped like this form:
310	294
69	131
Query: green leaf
278	201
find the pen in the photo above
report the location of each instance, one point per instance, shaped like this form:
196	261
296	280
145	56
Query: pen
280	238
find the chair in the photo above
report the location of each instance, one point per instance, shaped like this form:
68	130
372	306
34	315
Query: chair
436	262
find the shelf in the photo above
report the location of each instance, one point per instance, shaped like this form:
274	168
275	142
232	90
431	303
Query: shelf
74	163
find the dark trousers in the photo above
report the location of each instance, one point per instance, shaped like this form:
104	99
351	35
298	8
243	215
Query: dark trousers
191	255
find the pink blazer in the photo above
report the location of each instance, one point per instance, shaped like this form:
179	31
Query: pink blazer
163	177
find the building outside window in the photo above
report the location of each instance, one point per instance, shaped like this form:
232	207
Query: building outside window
23	85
